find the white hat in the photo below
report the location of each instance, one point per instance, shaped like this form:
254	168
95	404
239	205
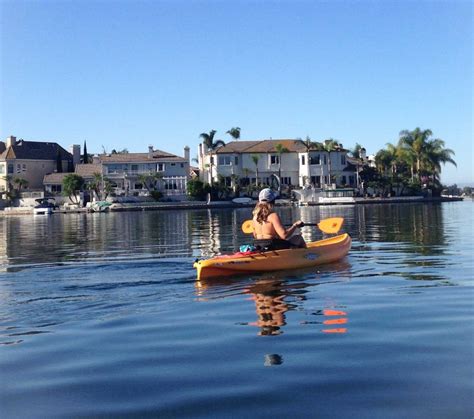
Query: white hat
267	195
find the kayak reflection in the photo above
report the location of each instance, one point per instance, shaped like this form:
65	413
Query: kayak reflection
274	295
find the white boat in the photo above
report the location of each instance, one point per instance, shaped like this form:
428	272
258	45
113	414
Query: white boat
243	200
45	206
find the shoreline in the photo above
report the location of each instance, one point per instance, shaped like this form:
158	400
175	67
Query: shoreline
188	205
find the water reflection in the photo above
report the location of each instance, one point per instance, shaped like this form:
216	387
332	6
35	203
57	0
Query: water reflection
275	295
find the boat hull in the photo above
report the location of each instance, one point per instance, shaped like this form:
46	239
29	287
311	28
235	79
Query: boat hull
317	253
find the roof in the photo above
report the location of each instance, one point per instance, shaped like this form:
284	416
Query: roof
262	146
157	156
88	170
54	178
265	146
35	150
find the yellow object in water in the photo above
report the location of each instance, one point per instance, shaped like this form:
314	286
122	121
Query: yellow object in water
317	253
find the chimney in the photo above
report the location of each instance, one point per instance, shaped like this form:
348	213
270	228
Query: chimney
150	151
186	154
75	150
11	140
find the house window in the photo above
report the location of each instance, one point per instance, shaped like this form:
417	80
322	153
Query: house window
18	168
23	167
315	160
316	181
160	167
286	180
11	169
134	167
182	164
236	160
173	164
344	180
343	159
325	159
56	188
224	160
228	181
2	169
302	161
274	159
212	160
115	168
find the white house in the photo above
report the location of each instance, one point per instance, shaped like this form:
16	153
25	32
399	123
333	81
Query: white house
261	162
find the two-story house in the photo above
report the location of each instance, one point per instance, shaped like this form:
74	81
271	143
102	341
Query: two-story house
30	161
127	172
274	162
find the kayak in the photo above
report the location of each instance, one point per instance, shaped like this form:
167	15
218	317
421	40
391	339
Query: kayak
317	253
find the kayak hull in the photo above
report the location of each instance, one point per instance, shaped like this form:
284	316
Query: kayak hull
317	253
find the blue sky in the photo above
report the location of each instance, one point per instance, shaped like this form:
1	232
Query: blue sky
126	74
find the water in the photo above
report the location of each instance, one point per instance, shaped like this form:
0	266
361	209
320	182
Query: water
100	315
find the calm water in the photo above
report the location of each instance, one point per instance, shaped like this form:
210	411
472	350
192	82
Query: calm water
100	315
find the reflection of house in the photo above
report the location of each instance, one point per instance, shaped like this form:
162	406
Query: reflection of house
127	172
299	165
31	160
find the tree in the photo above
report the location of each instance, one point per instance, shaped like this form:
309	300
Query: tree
59	162
150	180
72	184
20	183
197	188
234	133
255	159
280	149
435	156
85	156
208	141
329	146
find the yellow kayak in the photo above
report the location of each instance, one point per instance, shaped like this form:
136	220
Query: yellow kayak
317	253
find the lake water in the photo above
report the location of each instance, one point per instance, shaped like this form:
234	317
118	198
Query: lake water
101	316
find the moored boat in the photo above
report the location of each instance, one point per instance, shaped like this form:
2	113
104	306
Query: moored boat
317	253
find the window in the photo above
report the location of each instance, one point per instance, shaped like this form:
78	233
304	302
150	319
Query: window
343	159
228	181
18	168
236	160
134	167
302	161
325	159
23	167
11	169
274	159
173	164
286	180
182	164
315	159
224	160
316	181
344	180
2	169
56	188
160	167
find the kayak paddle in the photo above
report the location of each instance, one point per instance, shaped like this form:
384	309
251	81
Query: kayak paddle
328	225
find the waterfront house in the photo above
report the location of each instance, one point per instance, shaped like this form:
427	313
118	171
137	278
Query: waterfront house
27	162
296	166
128	172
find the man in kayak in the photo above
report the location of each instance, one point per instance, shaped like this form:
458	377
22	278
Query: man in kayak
268	230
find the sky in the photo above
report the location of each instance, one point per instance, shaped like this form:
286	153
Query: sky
133	73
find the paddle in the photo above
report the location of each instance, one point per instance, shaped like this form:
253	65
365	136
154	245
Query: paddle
328	225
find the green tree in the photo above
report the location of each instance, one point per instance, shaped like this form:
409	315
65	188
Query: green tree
330	146
435	156
20	184
255	159
72	184
208	141
280	149
150	180
234	133
198	189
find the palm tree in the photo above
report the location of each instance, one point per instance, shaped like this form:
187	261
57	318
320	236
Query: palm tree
435	156
414	144
20	183
329	146
208	141
255	159
149	180
72	184
234	133
280	149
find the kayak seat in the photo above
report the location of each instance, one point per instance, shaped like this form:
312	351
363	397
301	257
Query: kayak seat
272	244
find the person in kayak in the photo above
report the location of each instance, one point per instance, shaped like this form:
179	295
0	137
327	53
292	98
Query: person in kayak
268	230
